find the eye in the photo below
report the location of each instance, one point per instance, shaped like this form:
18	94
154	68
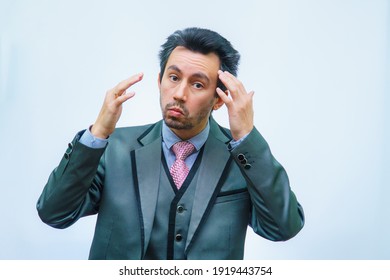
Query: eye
173	78
197	85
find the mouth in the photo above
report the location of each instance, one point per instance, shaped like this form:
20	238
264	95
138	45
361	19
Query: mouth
175	111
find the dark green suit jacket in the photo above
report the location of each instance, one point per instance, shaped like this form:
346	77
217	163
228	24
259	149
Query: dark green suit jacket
245	186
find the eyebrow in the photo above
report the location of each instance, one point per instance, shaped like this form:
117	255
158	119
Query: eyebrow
198	75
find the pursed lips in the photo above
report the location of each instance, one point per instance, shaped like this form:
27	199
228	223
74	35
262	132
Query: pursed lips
176	110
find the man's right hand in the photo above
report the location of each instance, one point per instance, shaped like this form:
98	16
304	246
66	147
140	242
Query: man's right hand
111	110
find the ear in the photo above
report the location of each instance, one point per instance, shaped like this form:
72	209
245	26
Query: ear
218	104
159	81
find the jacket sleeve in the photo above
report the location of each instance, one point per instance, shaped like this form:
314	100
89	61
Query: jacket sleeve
276	213
74	188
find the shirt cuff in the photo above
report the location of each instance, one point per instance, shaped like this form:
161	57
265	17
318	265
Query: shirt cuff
234	143
91	141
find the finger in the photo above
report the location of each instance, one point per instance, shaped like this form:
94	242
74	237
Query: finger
225	98
124	97
232	83
120	88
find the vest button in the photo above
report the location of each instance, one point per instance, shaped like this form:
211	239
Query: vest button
180	209
178	237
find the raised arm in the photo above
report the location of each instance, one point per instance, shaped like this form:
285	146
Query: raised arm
74	188
276	213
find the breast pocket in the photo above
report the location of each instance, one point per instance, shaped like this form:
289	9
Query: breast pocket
232	195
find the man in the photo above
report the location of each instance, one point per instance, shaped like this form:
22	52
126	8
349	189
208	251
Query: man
154	203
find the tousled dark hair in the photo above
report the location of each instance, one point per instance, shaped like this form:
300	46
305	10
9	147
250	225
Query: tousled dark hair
203	41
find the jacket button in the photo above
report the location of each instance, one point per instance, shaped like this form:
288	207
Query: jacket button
180	209
241	157
247	166
69	151
178	237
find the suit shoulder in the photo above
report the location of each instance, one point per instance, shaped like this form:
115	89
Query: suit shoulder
217	129
225	131
130	133
132	129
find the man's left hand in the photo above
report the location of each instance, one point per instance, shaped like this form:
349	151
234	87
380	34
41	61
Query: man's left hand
239	104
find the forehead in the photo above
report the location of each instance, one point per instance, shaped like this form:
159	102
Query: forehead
190	61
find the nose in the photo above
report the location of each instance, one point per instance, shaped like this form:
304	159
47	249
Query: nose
180	92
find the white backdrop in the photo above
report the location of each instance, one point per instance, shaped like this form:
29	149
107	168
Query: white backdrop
320	70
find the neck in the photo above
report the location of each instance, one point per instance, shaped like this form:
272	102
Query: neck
185	134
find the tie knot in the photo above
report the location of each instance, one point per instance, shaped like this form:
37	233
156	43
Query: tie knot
183	149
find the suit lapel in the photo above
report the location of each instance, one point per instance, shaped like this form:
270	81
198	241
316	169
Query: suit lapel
215	159
148	165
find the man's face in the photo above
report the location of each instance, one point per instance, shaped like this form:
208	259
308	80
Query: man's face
187	91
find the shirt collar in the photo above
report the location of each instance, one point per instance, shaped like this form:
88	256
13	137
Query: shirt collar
171	138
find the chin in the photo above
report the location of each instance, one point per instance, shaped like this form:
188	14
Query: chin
176	124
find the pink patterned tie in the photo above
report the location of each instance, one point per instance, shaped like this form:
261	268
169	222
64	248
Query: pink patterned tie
179	169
